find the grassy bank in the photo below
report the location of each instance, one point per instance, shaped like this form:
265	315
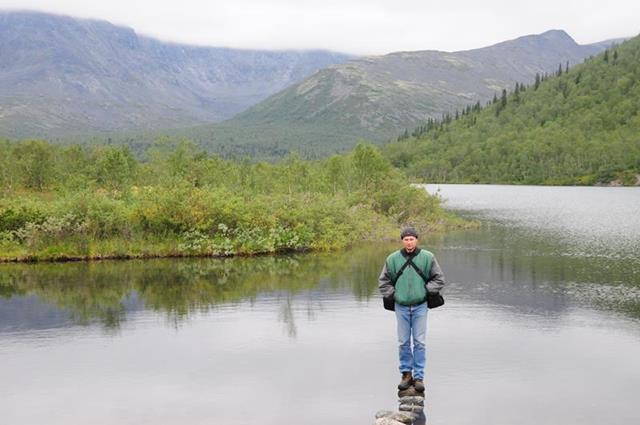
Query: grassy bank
73	203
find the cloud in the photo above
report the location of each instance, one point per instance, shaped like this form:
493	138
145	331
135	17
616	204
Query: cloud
356	26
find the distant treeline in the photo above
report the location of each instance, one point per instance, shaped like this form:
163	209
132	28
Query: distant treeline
578	126
100	201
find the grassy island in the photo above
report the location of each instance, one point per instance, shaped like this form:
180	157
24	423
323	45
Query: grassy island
79	203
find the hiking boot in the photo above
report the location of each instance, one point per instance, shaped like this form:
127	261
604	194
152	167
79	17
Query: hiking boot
406	381
418	385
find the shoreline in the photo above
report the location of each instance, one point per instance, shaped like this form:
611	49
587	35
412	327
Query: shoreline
156	250
33	259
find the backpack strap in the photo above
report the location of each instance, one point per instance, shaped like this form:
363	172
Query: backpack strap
408	262
417	269
404	266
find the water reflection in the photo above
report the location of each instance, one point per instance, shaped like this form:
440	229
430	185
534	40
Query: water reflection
585	221
506	267
494	264
107	291
287	317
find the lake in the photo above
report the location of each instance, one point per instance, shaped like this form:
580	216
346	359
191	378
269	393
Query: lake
541	325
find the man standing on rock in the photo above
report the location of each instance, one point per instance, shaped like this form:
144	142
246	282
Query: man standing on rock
409	276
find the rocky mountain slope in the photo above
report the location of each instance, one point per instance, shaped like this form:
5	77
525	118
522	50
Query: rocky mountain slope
377	97
60	76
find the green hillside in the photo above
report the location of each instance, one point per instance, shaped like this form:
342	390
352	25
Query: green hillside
579	126
375	97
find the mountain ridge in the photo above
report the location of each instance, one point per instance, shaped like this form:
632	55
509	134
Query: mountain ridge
101	77
376	97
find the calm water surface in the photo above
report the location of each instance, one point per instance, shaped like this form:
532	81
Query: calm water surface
541	325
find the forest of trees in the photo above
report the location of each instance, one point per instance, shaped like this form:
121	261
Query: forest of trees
60	202
578	126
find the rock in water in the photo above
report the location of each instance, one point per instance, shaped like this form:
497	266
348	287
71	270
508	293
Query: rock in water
394	417
411	408
404	417
413	400
410	392
387	421
384	414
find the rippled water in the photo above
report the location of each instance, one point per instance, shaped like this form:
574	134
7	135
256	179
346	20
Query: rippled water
541	325
590	221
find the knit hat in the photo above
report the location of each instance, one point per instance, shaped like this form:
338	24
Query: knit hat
408	231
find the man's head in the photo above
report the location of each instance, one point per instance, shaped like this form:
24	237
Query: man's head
409	238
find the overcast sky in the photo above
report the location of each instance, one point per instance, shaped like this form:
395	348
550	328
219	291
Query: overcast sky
354	26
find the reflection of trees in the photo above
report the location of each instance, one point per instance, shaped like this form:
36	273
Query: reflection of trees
631	308
505	266
519	271
99	291
87	291
287	317
9	286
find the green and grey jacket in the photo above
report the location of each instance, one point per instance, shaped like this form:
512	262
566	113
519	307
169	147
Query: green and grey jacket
410	288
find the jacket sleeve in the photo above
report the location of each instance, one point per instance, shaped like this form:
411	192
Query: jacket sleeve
384	282
436	278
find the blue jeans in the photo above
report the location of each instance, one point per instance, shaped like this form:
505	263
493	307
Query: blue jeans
412	324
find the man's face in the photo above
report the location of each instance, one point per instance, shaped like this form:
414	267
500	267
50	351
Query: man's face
409	243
